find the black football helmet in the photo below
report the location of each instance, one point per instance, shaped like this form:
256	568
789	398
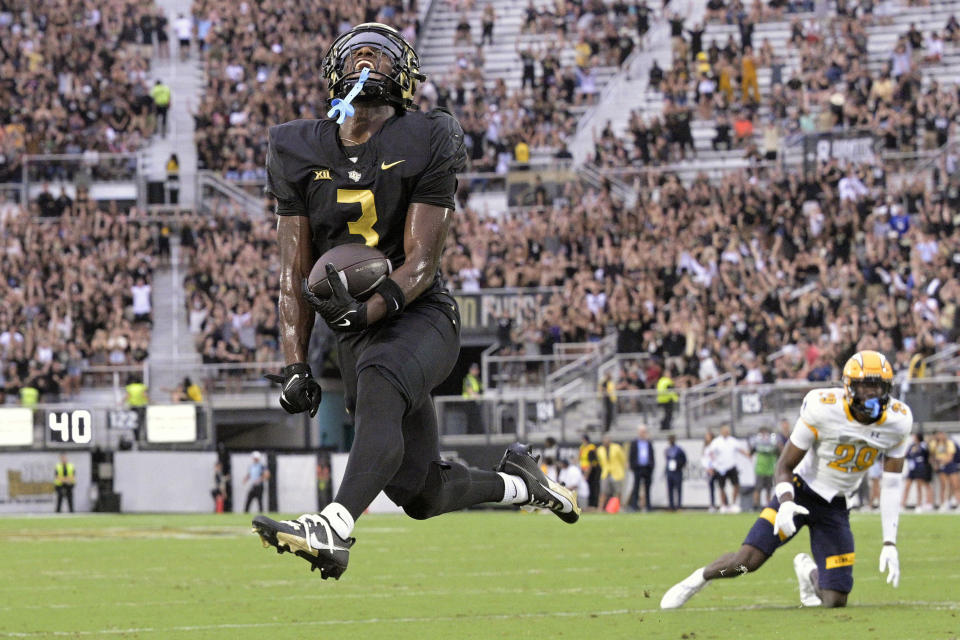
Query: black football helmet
397	88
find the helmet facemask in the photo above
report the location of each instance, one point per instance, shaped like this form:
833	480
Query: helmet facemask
867	398
396	67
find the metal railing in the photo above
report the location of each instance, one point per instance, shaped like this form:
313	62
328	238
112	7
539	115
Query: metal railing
500	418
211	186
508	374
946	360
110	176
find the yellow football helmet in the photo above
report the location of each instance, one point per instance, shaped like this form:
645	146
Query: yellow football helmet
867	380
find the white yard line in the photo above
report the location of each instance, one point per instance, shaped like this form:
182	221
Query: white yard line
936	606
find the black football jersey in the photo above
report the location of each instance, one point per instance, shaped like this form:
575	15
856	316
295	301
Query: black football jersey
361	193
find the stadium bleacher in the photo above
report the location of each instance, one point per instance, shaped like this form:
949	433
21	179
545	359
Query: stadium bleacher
721	261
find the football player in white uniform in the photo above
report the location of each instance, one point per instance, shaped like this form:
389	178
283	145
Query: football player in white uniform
841	432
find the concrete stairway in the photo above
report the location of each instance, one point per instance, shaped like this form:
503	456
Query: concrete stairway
172	352
185	79
439	55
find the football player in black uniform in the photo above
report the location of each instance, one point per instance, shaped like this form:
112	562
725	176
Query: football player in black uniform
385	177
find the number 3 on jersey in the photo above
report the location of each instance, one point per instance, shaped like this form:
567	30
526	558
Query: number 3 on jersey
368	214
847	453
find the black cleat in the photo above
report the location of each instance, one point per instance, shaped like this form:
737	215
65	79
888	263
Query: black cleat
311	537
544	492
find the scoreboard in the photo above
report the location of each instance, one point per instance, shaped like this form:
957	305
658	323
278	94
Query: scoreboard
86	427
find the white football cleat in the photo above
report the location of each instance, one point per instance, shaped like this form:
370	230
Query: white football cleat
678	594
803	565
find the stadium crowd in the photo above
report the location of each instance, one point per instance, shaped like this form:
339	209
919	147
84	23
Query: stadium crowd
231	287
764	275
823	81
73	77
76	292
254	52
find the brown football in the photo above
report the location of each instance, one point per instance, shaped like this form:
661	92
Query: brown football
361	268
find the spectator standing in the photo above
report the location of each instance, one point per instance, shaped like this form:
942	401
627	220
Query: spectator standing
64	481
676	459
183	26
142	308
613	469
725	449
572	478
173	179
944	452
765	447
487	21
160	24
608	390
667	399
749	85
919	471
642	464
257	474
161	105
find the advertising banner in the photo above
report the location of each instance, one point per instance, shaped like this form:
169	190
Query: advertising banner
26	482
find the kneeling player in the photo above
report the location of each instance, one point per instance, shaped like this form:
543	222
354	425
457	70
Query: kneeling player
839	435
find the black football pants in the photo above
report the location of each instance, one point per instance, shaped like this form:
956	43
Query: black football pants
388	373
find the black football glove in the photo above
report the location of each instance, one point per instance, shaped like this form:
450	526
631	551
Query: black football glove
301	391
342	312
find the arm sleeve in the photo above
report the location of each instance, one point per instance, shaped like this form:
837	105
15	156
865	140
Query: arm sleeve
289	199
890	493
437	184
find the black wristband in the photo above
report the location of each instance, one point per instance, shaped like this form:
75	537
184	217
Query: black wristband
295	368
392	295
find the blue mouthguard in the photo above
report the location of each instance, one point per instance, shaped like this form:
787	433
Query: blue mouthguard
342	109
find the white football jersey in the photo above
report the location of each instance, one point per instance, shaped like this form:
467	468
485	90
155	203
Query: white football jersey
840	449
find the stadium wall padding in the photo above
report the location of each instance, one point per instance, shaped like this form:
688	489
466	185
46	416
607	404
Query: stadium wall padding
26	481
174	481
296	483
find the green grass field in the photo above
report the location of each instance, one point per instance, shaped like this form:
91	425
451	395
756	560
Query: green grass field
470	575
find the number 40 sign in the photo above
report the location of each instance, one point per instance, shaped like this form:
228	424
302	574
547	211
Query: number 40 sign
74	426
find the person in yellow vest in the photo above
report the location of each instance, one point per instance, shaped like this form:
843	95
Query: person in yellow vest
64	480
613	469
608	389
137	399
29	396
471	382
161	103
666	398
590	466
472	390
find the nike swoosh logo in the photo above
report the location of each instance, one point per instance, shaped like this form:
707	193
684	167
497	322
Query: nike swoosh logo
396	306
343	323
384	166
